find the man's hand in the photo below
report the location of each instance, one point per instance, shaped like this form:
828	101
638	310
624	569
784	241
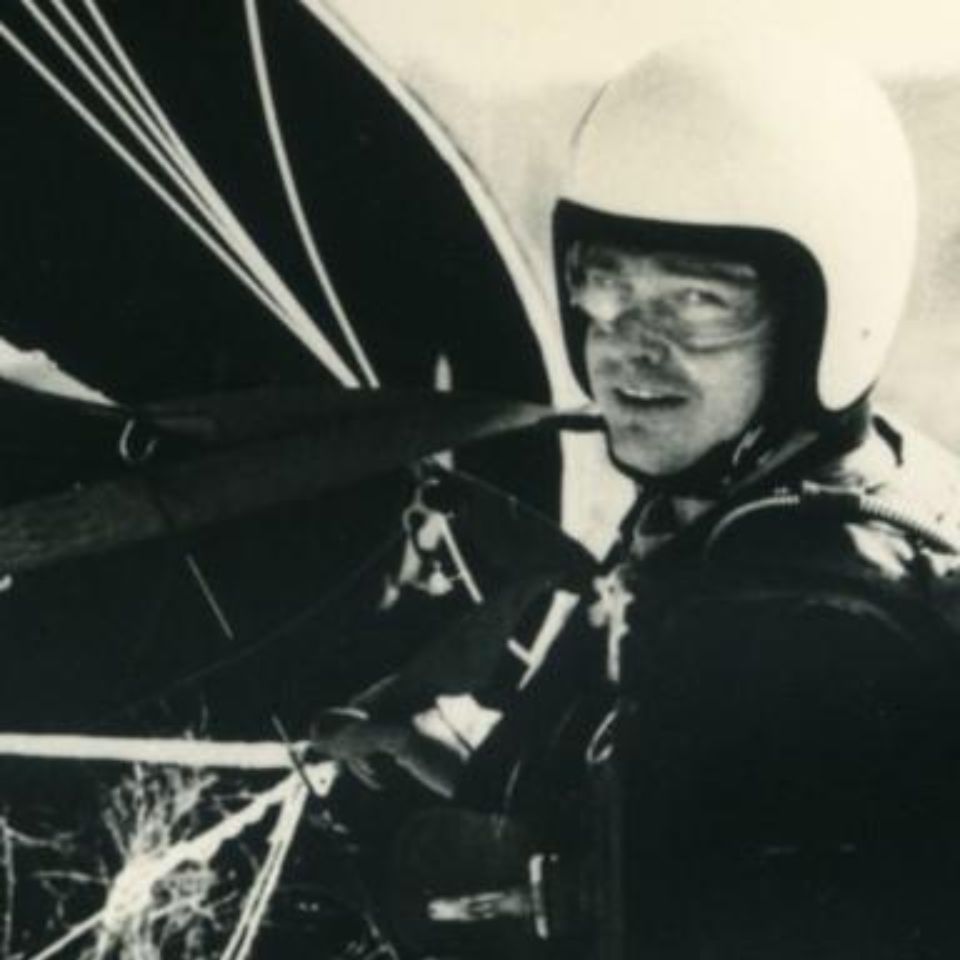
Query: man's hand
350	736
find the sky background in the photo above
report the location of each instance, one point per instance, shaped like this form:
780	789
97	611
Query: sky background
506	44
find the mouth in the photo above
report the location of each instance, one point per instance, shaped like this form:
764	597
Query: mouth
648	398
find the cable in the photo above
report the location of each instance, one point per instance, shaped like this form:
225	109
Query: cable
271	636
292	192
848	505
305	330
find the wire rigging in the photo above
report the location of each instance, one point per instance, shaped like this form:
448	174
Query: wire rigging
292	192
137	92
138	89
155	133
139	123
191	197
212	222
111	141
160	158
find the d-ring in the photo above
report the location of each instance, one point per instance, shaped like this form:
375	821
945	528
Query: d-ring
133	450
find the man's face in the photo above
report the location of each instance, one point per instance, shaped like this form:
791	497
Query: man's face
677	352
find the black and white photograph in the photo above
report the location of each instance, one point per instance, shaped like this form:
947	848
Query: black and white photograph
480	480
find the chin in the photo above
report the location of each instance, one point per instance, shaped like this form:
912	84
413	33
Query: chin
639	460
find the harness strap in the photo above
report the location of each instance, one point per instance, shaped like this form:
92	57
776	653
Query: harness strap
844	506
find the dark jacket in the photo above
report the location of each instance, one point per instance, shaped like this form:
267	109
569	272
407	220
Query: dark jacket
788	700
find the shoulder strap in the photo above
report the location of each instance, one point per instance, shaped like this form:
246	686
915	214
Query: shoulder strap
843	506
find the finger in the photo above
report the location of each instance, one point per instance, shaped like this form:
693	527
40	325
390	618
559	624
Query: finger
364	772
334	720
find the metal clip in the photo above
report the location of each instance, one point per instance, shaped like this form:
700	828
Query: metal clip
134	451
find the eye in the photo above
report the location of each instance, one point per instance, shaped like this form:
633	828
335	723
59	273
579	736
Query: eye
603	280
700	297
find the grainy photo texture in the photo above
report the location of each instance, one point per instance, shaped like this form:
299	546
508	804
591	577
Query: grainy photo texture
478	481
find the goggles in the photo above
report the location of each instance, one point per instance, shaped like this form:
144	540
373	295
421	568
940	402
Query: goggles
698	303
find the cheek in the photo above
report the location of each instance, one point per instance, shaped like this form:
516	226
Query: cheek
736	385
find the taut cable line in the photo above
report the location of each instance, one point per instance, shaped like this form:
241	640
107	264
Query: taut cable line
139	121
121	151
138	89
292	192
135	91
244	262
145	133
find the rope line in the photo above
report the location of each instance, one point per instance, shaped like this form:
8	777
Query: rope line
530	287
148	179
280	301
139	123
292	192
202	183
145	134
156	133
265	885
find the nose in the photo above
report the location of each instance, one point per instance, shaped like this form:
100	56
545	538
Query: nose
639	339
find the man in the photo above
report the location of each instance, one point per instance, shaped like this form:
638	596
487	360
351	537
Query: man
763	693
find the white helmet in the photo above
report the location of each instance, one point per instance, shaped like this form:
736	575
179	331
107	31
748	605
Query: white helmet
773	142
